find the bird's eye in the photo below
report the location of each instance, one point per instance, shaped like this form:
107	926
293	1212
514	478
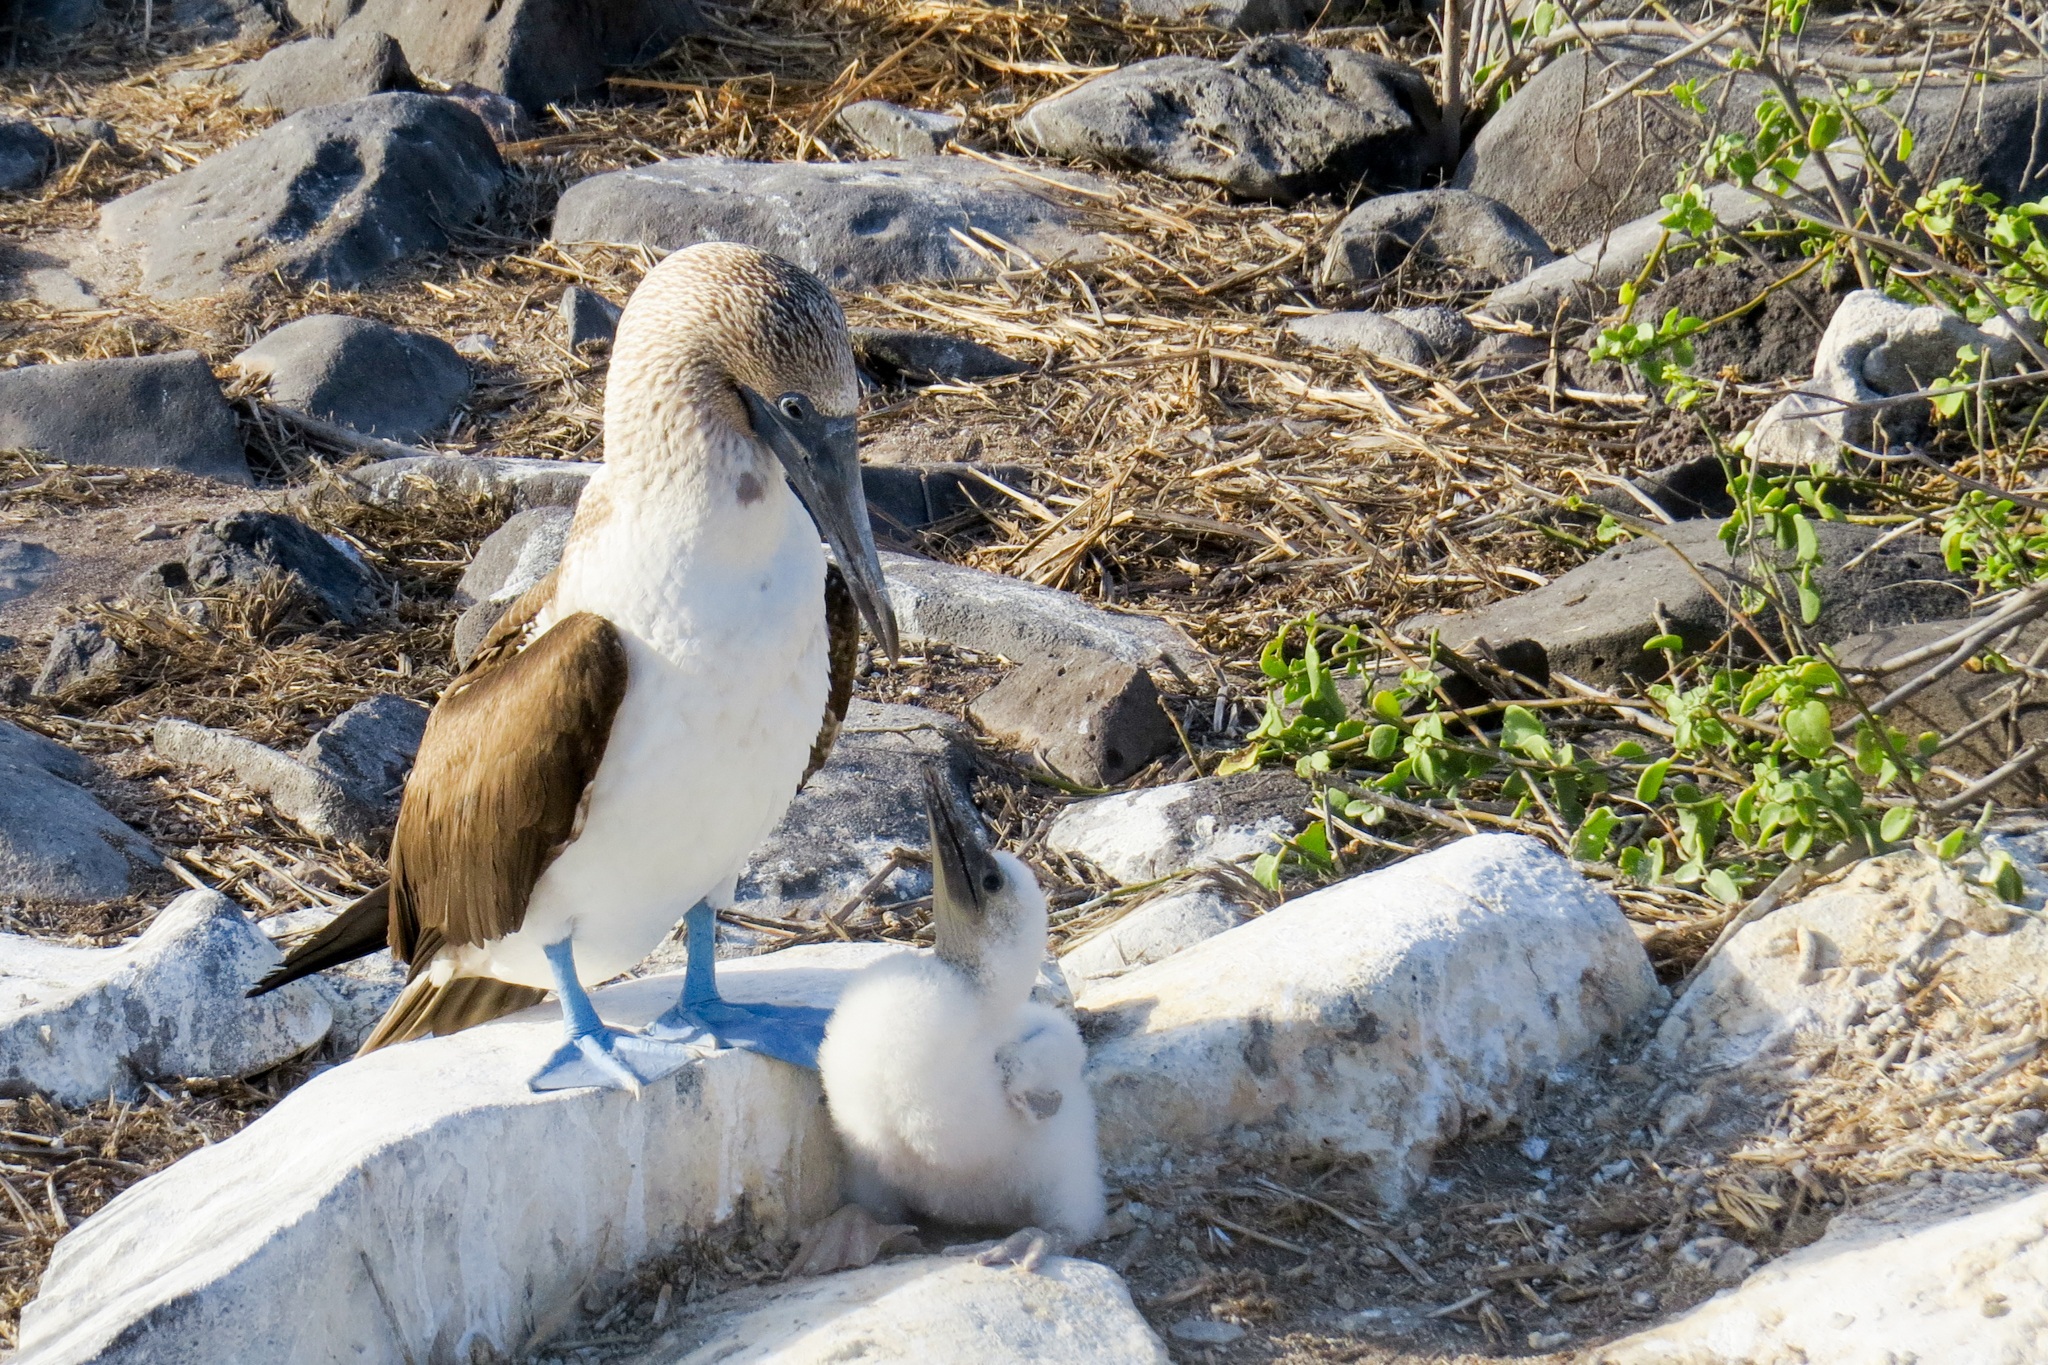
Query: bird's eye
792	407
992	882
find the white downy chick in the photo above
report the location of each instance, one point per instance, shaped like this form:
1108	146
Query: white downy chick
956	1096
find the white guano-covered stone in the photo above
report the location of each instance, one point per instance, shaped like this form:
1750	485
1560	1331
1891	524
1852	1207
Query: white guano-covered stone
1138	836
1378	1017
1951	1269
922	1310
1151	933
421	1202
77	1024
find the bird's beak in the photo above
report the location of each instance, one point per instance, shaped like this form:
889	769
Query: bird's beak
958	856
821	456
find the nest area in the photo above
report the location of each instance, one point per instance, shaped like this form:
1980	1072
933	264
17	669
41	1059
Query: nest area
1187	461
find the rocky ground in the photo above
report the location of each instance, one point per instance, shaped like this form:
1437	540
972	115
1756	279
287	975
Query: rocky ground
1173	336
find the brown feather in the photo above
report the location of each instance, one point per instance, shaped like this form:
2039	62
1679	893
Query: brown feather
424	1009
500	775
842	652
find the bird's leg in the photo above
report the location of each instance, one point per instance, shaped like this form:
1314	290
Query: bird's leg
789	1033
1025	1249
596	1053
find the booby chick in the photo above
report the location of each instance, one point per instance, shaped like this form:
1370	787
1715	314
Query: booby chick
637	723
957	1096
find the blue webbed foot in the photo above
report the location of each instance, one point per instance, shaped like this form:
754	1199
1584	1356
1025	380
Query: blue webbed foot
788	1033
613	1059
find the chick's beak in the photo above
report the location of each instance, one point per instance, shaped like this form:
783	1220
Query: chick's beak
957	853
821	457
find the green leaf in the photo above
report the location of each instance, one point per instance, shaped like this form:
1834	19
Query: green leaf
1520	729
1633	862
1670	642
1386	706
1266	871
2006	879
1808	726
1628	749
1590	843
1651	784
1385	742
1243	761
1897	824
1952	845
1721	886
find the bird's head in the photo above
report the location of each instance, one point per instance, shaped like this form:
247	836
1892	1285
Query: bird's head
988	915
752	341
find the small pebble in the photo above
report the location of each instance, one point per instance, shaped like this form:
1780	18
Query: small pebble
1534	1148
1205	1332
1548	1341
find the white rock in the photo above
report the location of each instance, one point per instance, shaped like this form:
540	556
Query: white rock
1137	836
1955	1269
1151	933
1874	347
527	482
1377	1017
997	614
422	1202
78	1023
1818	966
922	1310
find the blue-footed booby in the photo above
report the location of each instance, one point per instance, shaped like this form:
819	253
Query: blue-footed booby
636	723
956	1095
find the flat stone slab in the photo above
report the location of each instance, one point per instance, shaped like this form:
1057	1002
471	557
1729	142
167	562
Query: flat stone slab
996	614
922	1310
1952	1267
315	800
440	1204
856	225
78	1024
411	479
142	412
331	194
1373	1018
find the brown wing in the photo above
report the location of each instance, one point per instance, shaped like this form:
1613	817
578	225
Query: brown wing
496	790
842	654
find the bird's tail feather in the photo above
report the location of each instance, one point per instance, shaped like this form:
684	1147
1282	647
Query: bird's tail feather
425	1008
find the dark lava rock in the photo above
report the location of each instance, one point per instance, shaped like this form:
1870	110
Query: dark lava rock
369	749
855	225
142	412
940	497
79	651
316	71
1592	621
250	549
588	318
25	153
536	51
1474	242
1279	120
1095	721
332	194
377	379
891	357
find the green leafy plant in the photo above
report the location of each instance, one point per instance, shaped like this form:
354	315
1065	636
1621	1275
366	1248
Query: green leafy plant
1781	511
1662	353
1994	541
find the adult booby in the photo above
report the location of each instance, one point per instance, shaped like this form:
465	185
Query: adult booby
636	723
956	1095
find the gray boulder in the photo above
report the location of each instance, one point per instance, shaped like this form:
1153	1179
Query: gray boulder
333	194
1477	242
1592	621
1248	16
55	18
536	51
77	652
1140	836
316	71
57	844
25	153
412	480
312	798
77	132
78	1024
1279	120
890	356
856	225
890	130
1373	334
24	567
375	378
142	412
993	613
1449	335
251	549
512	559
904	499
1095	720
369	749
588	318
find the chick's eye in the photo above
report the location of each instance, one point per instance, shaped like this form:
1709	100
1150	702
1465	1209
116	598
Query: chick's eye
992	881
792	407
